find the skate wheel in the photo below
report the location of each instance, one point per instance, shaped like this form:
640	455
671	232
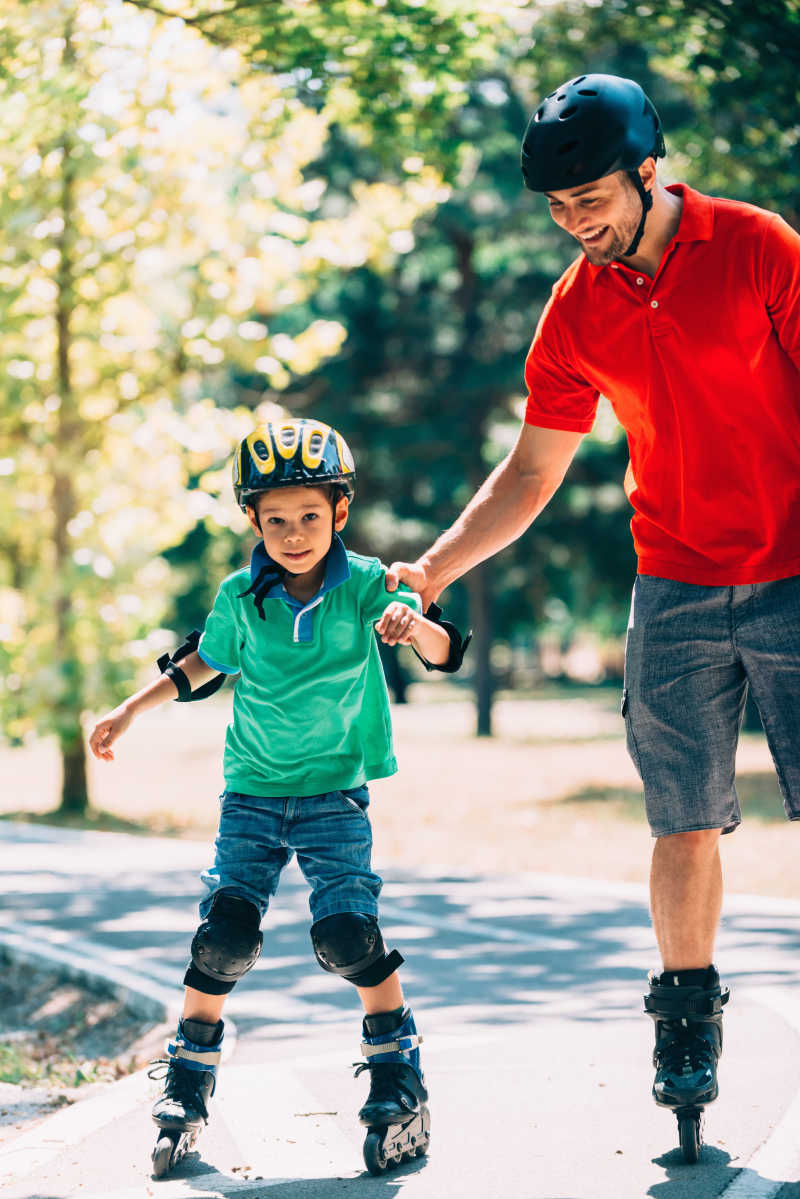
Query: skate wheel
162	1156
690	1137
373	1153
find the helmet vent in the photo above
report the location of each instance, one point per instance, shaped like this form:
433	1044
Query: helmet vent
261	449
568	147
286	435
563	96
315	443
587	91
580	79
568	112
537	116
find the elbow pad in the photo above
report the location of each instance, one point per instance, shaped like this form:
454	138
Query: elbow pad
458	644
168	665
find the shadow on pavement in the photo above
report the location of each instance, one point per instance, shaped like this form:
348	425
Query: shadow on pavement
712	1175
504	948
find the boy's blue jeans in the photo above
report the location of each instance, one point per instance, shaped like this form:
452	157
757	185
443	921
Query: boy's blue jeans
330	833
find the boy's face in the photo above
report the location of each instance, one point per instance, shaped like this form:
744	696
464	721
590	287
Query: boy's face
295	523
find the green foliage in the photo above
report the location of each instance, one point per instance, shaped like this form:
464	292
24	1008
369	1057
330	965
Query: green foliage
393	71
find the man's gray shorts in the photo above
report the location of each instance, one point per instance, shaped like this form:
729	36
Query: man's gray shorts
691	653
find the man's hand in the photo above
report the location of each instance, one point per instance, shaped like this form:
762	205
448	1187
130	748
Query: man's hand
415	576
106	731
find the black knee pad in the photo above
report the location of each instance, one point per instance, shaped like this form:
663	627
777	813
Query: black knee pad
350	944
226	945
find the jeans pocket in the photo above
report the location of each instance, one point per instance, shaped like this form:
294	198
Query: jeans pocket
356	798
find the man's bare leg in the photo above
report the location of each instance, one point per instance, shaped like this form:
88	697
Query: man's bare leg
686	898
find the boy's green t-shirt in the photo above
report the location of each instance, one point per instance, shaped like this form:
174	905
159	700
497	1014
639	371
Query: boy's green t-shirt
309	715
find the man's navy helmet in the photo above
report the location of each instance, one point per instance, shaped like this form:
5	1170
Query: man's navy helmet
292	453
589	127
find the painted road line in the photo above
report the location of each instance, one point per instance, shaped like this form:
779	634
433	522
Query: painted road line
34	1149
777	1160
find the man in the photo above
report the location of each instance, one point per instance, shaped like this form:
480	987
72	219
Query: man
685	312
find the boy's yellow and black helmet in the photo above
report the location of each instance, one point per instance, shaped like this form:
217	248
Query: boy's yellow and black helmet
292	453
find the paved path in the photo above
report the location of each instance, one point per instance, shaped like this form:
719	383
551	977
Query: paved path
527	990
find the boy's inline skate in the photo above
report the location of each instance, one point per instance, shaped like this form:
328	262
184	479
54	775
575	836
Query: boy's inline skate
396	1114
686	1007
190	1075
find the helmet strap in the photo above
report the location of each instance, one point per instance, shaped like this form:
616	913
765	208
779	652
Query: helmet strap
647	203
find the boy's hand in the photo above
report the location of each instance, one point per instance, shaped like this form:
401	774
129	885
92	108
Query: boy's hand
106	731
397	625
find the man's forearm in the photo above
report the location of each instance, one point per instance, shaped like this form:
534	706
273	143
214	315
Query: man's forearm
499	512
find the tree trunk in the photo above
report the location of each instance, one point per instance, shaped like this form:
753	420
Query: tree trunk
478	580
74	790
480	606
74	787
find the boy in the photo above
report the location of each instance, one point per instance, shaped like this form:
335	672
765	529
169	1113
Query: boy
310	727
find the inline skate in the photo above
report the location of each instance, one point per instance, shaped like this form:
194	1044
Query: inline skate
395	1113
686	1008
190	1074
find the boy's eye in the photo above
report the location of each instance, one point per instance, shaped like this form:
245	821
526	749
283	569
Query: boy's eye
310	516
275	520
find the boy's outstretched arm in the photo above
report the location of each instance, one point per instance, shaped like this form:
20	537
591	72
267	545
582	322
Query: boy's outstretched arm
114	724
401	625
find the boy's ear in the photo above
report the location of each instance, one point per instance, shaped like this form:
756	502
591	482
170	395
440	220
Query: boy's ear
341	513
252	516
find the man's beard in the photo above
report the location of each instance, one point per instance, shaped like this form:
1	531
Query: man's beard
620	239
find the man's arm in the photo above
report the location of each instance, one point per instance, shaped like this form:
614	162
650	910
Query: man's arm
514	494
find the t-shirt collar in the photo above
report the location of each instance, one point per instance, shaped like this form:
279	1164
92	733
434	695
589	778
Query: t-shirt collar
337	568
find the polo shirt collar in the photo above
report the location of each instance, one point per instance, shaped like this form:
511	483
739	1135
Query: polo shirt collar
337	569
697	214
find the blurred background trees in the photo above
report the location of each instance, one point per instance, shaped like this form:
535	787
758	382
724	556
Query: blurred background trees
217	212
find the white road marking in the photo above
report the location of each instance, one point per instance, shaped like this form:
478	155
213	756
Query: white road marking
777	1160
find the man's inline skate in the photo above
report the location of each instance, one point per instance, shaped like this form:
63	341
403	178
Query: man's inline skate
190	1073
686	1008
395	1113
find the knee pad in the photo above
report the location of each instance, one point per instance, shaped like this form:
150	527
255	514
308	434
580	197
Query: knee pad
227	943
350	944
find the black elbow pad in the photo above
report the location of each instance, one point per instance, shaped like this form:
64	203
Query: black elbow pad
458	644
168	665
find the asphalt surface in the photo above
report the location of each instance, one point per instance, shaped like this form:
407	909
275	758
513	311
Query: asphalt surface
527	990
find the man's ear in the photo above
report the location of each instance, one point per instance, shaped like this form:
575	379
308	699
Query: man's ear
255	524
647	173
341	513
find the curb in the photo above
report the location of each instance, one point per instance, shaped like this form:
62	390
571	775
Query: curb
142	996
33	1148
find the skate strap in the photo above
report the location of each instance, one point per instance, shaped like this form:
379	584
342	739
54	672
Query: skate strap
207	1059
669	1002
401	1045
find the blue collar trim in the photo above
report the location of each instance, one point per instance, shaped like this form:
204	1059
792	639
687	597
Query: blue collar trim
337	571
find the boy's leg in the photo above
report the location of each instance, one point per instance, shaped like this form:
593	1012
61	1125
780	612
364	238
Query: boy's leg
387	996
243	878
330	831
391	1047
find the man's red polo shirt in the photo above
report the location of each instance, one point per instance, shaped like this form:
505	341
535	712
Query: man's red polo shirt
702	367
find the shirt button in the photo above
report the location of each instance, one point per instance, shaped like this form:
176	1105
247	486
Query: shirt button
640	280
654	303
